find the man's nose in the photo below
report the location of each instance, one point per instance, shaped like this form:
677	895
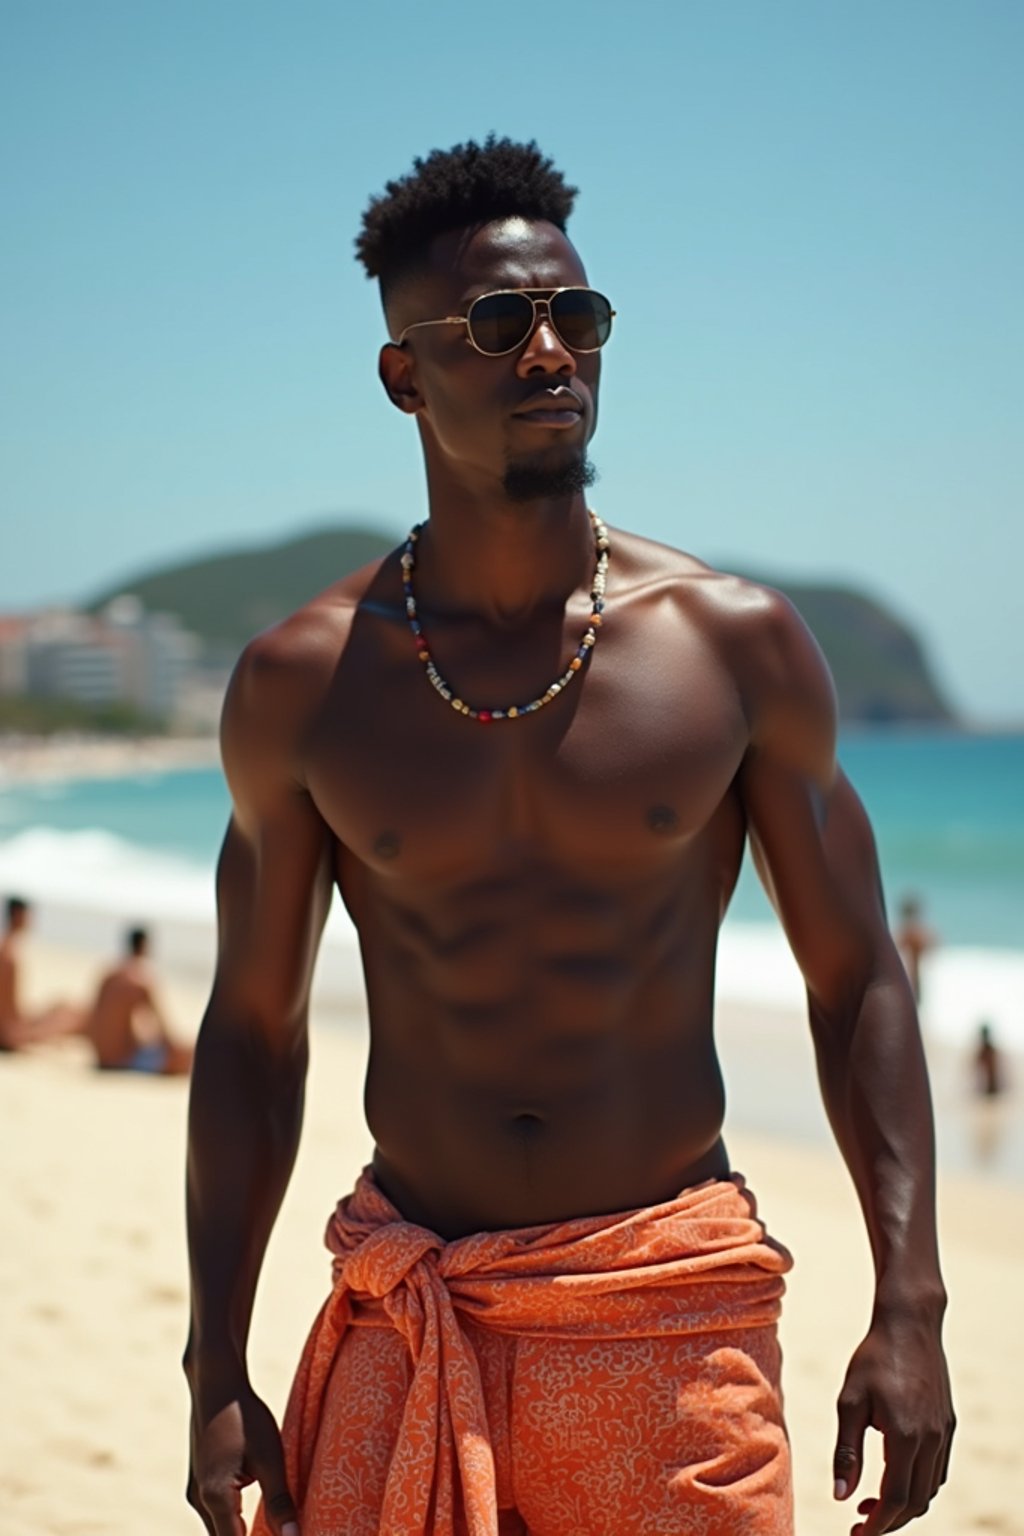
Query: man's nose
545	351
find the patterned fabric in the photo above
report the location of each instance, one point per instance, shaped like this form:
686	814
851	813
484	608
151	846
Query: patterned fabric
613	1374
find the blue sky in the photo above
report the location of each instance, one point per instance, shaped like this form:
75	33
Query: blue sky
808	216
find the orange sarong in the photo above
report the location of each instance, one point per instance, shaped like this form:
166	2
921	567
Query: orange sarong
612	1374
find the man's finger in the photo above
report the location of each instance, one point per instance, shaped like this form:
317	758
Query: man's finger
926	1478
221	1502
922	1491
863	1508
893	1504
947	1450
848	1457
280	1513
268	1465
192	1497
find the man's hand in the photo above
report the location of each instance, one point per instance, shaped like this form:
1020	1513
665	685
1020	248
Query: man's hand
238	1444
898	1384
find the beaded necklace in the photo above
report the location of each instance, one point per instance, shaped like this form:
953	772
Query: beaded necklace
602	546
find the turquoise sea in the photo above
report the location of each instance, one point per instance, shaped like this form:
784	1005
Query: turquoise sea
948	814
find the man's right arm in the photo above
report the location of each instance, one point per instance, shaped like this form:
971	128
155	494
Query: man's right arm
245	1112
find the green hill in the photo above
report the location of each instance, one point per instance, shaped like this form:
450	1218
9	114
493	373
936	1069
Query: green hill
880	669
881	672
226	599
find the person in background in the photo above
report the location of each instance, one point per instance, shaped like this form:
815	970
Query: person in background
126	1025
914	940
989	1076
20	1026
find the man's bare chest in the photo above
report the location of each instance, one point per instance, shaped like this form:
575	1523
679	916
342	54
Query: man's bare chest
628	767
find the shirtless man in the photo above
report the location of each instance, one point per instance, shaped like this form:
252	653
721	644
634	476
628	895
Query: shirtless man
126	1024
914	940
538	893
18	1025
989	1073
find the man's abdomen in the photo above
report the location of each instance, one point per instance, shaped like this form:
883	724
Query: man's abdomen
553	1119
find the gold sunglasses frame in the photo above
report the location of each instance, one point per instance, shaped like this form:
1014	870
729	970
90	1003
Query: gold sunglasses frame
527	293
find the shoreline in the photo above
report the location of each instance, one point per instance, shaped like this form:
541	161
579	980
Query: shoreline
68	756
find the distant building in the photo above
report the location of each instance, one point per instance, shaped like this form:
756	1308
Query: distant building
13	655
74	656
162	653
201	700
123	655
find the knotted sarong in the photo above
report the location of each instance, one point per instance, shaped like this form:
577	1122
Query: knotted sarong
610	1374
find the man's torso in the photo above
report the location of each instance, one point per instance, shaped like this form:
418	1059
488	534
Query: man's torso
119	1016
537	900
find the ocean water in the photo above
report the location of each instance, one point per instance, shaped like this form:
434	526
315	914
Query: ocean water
948	813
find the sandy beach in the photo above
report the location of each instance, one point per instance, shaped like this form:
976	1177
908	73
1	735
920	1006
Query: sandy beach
67	755
93	1283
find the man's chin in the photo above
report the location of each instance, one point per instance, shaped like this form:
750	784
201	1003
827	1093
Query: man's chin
541	477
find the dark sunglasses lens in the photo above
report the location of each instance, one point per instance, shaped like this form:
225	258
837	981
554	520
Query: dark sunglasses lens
500	321
582	318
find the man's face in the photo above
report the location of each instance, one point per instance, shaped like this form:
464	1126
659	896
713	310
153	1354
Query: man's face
525	417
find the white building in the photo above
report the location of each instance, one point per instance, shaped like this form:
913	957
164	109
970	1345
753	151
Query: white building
13	655
164	654
122	656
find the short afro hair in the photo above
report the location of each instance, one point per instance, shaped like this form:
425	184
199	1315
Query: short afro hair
452	188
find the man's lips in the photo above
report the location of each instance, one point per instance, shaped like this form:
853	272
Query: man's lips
552	408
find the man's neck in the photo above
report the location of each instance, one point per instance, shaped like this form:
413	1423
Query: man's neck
500	560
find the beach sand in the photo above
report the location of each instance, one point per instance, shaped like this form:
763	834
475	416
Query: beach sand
69	755
93	1283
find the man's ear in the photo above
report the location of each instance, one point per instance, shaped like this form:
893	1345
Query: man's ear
396	374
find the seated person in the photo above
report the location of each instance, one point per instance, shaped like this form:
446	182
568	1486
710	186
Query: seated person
20	1026
126	1026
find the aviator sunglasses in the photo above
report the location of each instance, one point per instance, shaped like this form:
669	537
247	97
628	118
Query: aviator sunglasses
497	323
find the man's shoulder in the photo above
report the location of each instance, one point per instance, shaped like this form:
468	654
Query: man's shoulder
737	603
282	677
302	650
756	631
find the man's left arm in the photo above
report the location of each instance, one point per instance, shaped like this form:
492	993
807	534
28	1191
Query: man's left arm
814	849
